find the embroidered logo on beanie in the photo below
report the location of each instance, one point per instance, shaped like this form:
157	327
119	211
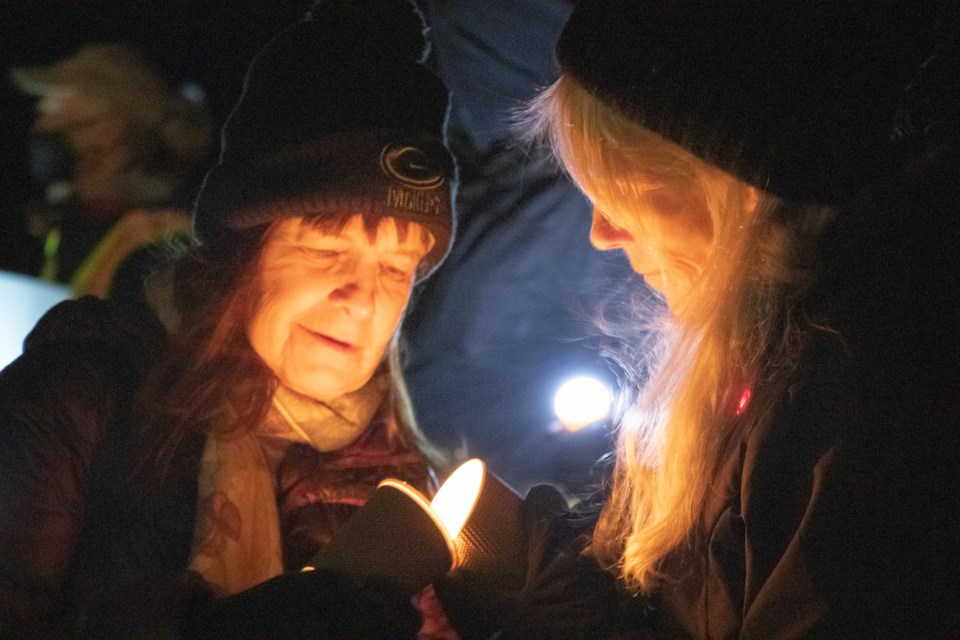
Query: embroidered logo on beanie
419	179
411	166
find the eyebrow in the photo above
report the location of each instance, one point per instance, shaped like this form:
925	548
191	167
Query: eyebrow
405	252
301	234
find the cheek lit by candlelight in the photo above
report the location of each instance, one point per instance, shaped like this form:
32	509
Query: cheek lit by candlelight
456	498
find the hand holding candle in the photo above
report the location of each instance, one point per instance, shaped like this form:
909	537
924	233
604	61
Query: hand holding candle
402	539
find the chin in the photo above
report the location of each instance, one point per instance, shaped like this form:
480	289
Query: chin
325	387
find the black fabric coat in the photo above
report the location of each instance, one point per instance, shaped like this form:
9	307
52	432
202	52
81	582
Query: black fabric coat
82	554
58	408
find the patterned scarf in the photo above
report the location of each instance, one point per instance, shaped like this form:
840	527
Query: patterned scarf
236	541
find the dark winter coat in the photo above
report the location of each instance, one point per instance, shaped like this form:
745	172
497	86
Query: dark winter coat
81	553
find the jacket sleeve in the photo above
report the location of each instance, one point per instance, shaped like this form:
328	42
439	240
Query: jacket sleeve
58	402
564	593
792	486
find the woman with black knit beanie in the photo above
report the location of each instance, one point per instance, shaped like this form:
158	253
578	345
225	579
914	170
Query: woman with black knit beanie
790	468
168	470
786	175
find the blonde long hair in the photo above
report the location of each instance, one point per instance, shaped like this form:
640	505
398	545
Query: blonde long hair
735	326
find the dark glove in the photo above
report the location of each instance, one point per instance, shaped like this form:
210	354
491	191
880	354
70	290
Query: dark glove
565	594
313	604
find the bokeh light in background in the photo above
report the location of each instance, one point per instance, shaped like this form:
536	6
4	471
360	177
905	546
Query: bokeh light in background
580	402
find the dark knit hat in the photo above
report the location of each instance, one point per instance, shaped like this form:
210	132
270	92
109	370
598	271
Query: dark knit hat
337	116
797	97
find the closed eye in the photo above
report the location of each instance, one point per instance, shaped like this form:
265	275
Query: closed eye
396	273
325	254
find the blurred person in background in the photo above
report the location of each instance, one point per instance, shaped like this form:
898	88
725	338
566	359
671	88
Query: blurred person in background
119	152
155	472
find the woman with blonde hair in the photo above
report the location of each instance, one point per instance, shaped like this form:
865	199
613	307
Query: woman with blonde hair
789	468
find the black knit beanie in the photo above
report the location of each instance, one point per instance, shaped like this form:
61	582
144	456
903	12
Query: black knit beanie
797	97
337	116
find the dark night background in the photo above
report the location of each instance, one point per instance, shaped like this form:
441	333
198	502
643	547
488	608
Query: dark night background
511	313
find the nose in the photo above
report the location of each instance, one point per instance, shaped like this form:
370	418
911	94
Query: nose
355	296
604	235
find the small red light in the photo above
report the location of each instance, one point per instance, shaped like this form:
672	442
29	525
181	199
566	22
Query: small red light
744	401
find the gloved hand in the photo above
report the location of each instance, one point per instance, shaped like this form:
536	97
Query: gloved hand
312	604
565	594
